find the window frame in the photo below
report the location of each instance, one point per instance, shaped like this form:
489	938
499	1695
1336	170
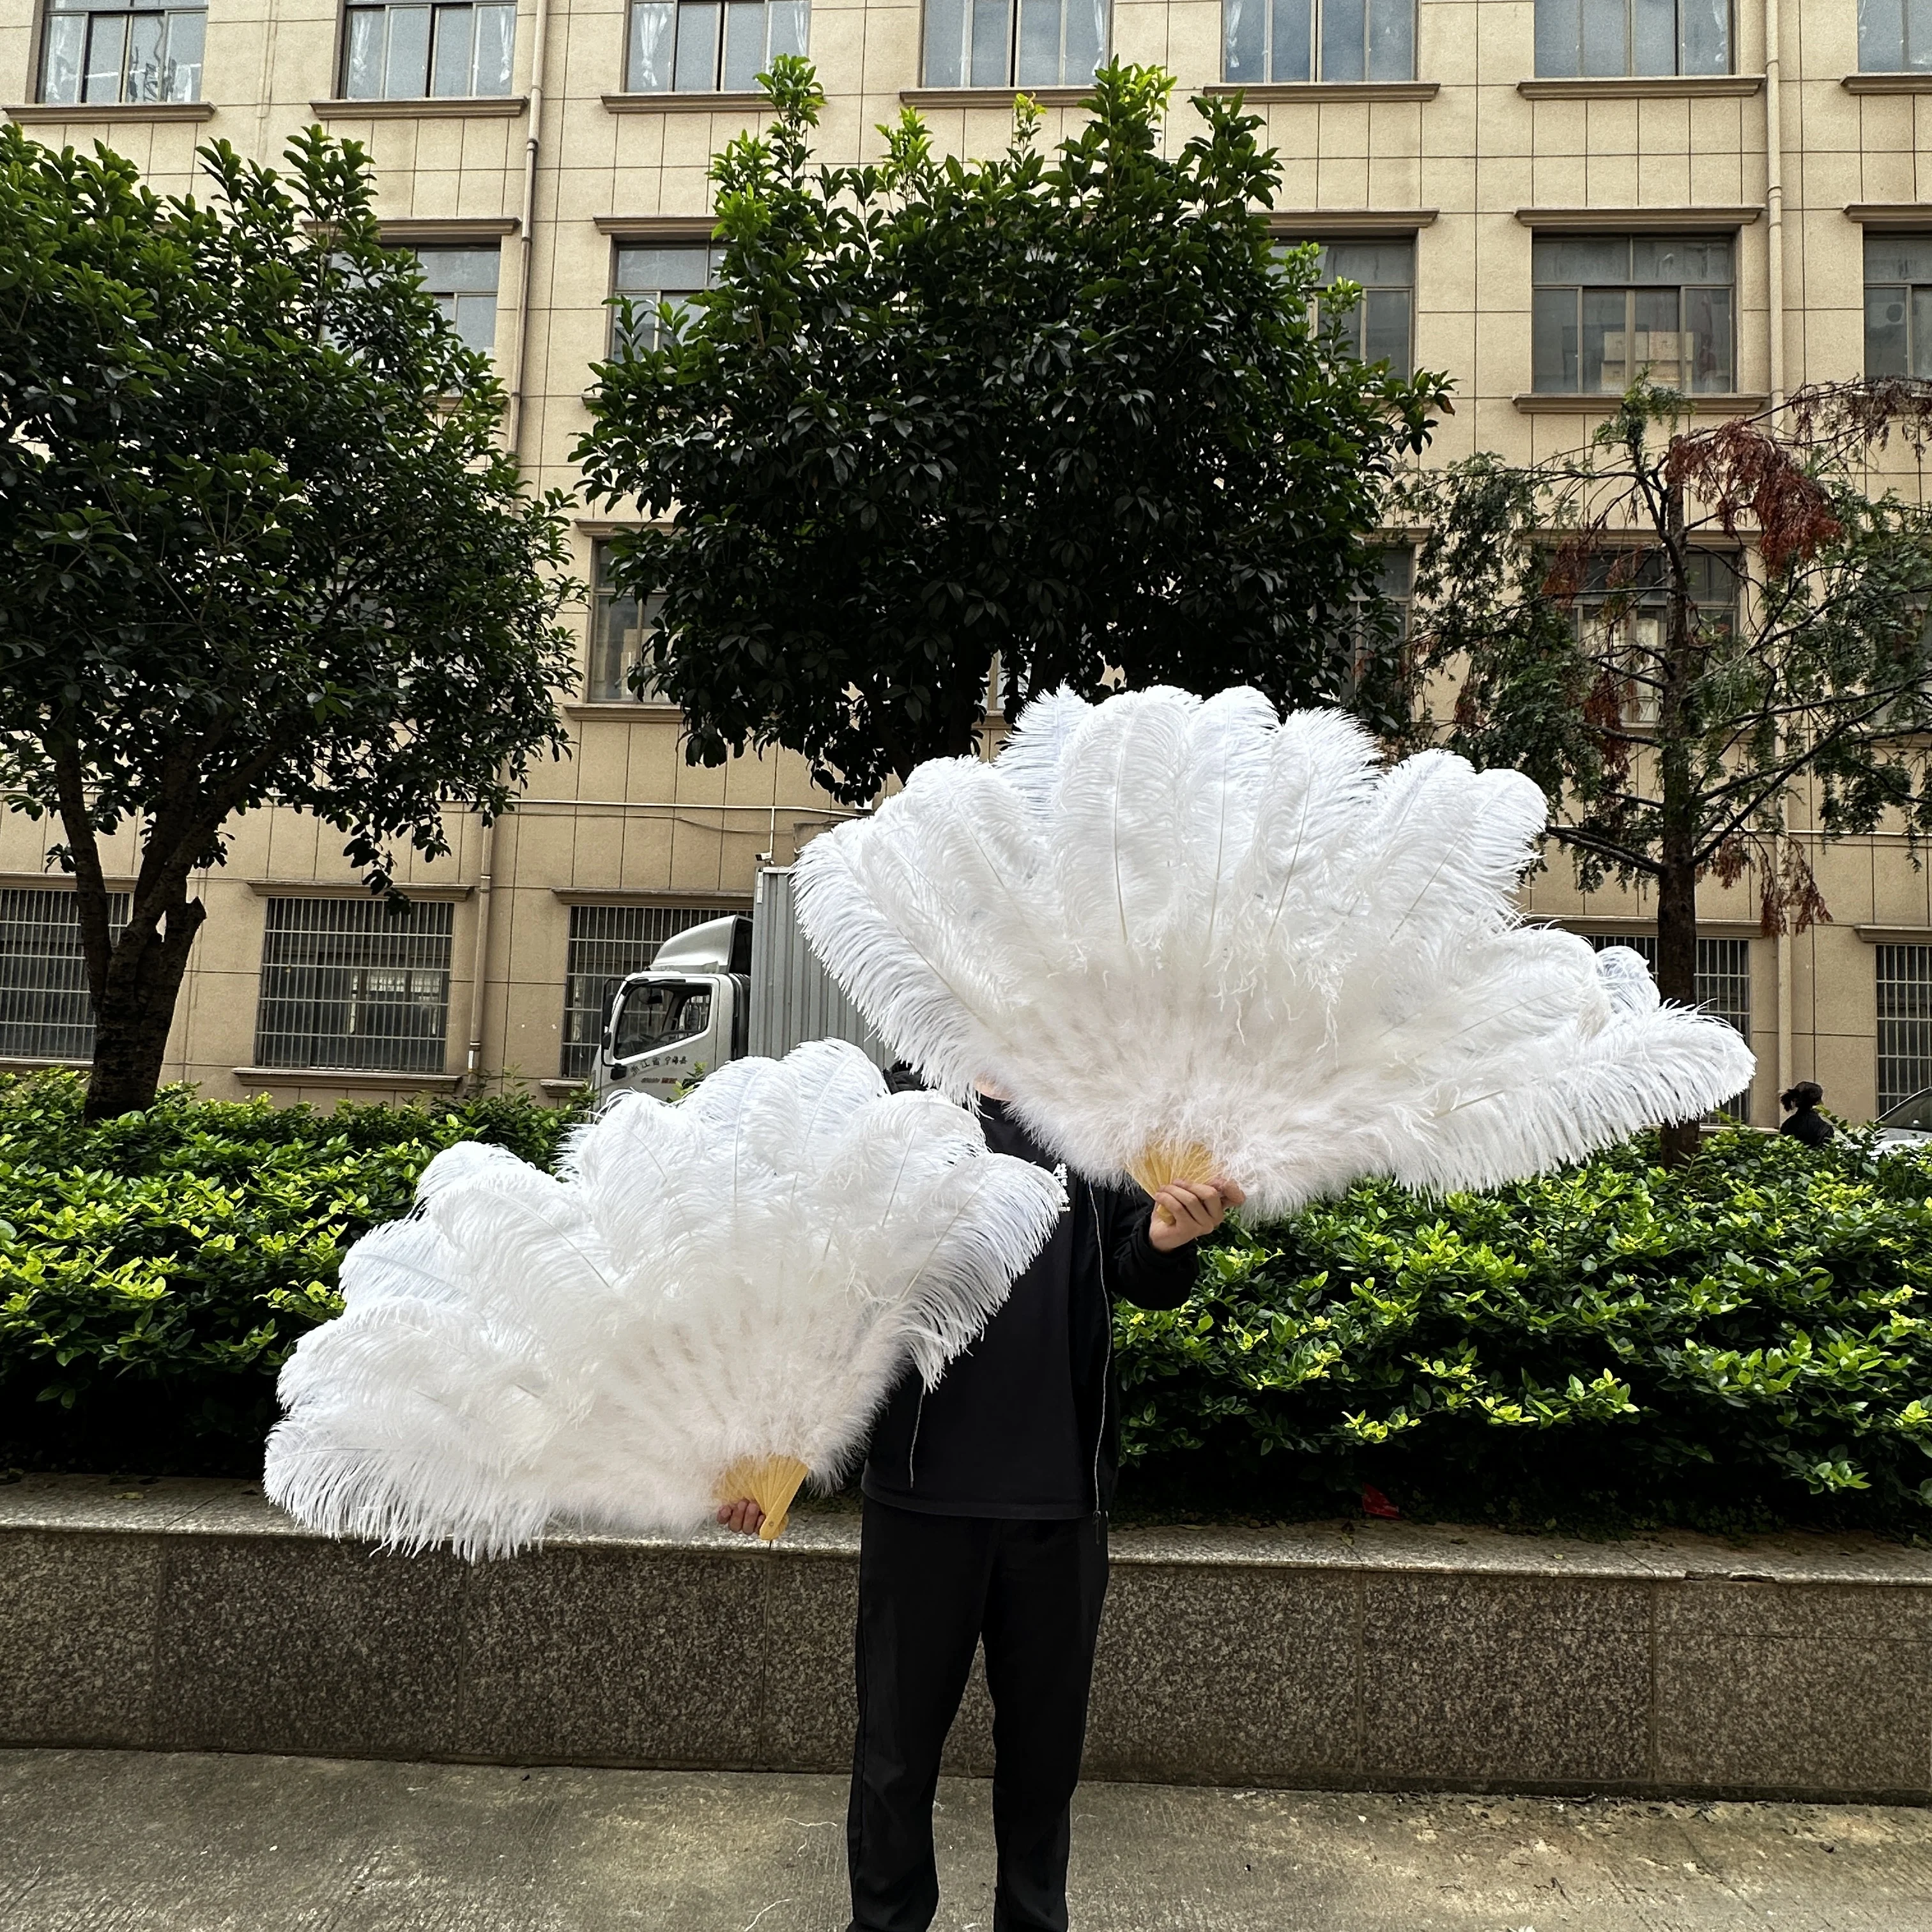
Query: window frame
1014	11
721	80
605	597
1905	63
1357	321
1631	289
35	917
1630	70
345	47
437	918
616	339
1636	599
1910	289
49	14
1317	74
454	245
1885	984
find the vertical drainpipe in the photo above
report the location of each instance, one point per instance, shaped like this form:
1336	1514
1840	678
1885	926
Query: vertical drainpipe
513	437
1774	196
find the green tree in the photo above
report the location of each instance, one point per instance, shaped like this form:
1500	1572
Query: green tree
1069	411
258	541
1672	627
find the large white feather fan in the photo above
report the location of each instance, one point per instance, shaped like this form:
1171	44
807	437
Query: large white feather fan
711	1301
1193	939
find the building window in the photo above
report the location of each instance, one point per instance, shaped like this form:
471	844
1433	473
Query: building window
411	53
1723	987
1894	36
350	983
97	51
1317	40
650	277
1609	308
46	1011
618	629
1380	327
463	281
992	43
607	944
1898	305
1904	1023
701	46
1393	591
1609	38
1622	620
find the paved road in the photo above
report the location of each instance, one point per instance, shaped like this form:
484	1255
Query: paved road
111	1841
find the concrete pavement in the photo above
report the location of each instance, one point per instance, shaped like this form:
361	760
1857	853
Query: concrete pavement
124	1841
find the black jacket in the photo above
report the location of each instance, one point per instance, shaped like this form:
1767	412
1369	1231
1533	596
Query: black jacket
1106	1253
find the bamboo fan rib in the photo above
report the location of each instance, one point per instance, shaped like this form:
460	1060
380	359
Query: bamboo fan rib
1186	934
711	1300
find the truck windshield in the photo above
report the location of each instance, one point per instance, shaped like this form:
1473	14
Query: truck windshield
655	1016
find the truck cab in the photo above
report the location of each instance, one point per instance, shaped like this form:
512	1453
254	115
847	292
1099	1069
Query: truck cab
686	1014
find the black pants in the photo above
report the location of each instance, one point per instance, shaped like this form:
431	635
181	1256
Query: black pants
931	1588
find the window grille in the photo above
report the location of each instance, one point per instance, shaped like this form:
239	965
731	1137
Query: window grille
350	983
1894	36
651	276
701	46
1904	1023
464	283
1310	40
607	944
1723	987
414	53
1609	308
1898	305
105	50
1576	38
46	1011
990	43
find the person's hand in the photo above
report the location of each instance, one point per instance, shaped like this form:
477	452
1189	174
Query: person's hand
1193	1208
744	1515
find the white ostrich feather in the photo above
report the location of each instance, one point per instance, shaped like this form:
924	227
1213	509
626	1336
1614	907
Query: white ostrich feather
735	1278
1189	935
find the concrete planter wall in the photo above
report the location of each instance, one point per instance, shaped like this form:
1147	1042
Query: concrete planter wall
192	1616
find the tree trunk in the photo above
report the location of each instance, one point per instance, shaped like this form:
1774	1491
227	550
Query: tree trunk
134	1010
1677	881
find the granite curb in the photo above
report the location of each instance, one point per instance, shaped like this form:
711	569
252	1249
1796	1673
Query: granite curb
184	1616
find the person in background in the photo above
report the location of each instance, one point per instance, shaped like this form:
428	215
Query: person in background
1805	1122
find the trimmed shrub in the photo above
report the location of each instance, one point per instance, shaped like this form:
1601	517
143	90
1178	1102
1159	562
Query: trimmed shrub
1739	1341
156	1269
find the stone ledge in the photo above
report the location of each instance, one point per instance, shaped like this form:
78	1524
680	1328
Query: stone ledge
192	1615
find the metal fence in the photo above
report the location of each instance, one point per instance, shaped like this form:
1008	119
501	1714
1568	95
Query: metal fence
1904	1023
46	1011
1723	986
607	944
351	983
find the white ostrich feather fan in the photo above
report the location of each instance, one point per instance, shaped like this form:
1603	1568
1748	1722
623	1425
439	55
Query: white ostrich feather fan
711	1302
1191	938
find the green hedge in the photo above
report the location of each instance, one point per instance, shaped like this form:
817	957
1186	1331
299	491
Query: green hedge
1739	1342
156	1269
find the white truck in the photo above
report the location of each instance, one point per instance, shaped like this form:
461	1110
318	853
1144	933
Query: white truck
745	984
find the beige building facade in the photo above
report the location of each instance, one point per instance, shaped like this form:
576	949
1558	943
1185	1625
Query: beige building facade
1539	195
